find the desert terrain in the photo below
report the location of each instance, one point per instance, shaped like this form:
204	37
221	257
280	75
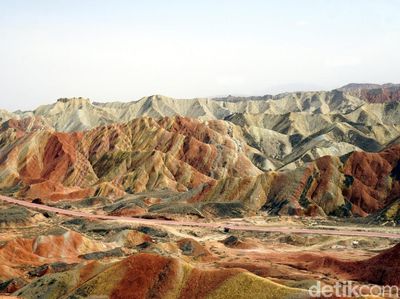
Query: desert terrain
234	197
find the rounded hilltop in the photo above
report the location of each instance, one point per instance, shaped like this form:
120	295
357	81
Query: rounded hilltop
74	100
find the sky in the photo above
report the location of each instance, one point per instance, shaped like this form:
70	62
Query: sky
125	50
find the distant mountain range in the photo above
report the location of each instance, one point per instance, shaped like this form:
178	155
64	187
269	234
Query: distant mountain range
76	114
374	93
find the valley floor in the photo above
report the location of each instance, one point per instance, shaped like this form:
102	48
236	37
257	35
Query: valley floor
73	253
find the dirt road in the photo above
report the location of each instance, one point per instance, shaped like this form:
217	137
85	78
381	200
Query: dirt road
215	225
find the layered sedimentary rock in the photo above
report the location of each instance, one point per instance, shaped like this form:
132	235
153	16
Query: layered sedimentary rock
333	153
302	153
137	156
286	128
357	184
204	161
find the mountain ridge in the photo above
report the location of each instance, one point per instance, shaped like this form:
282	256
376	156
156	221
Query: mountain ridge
262	153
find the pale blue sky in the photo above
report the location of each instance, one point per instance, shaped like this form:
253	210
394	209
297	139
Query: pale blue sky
124	50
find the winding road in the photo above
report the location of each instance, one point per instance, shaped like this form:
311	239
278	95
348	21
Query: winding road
213	225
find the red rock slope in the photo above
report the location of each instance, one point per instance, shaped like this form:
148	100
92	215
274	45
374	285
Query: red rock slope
176	154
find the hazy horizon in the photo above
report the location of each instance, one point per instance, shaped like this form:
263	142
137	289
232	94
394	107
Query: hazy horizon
125	50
